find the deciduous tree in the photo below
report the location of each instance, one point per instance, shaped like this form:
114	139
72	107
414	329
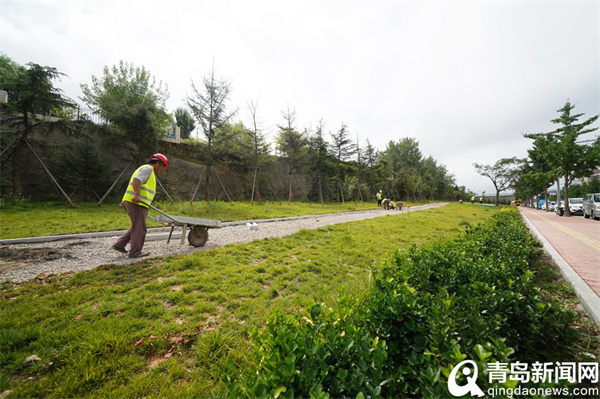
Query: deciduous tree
185	121
131	100
503	173
540	170
402	162
570	159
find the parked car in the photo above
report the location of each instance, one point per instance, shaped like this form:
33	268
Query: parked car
575	207
516	203
591	206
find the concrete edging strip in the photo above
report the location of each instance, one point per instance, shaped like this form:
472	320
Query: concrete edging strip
588	298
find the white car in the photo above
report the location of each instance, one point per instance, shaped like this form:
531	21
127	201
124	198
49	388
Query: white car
591	206
575	207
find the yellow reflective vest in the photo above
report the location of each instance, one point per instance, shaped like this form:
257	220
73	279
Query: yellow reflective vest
147	190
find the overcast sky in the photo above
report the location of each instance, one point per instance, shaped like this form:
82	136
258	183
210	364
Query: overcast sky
466	79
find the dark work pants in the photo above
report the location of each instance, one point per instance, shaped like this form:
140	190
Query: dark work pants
136	235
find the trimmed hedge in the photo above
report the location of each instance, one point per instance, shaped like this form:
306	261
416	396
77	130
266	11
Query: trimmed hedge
429	309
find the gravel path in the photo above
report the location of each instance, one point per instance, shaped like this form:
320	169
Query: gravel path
22	262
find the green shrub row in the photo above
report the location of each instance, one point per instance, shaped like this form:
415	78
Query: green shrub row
428	309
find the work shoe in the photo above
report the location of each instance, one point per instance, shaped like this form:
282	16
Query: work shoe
119	249
139	255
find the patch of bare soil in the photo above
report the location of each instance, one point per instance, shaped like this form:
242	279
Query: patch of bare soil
12	258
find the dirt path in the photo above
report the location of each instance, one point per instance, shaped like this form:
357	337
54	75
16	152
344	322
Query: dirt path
22	262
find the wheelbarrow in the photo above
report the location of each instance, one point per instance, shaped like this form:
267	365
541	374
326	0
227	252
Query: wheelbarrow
198	228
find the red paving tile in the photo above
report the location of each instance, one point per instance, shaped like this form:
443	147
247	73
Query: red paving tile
575	238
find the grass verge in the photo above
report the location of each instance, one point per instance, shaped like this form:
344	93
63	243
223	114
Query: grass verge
167	326
172	327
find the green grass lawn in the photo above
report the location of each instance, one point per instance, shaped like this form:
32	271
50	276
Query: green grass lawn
169	327
173	327
28	219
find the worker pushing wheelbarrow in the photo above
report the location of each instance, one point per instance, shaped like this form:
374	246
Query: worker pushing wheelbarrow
138	199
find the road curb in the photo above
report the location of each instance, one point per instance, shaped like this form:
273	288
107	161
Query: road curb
589	300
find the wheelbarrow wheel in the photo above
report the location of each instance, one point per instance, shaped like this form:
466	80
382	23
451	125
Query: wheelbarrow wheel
198	236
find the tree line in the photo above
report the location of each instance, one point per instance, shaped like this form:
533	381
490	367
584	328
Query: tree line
559	155
131	118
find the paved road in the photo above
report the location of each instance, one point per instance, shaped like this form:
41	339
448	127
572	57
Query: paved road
574	244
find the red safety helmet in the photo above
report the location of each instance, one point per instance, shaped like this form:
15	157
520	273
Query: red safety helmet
160	157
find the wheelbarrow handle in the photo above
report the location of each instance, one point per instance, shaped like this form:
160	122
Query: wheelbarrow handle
159	211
